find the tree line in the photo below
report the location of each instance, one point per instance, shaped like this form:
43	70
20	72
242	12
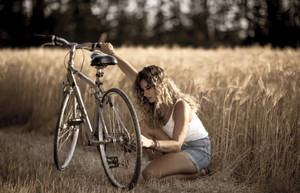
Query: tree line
198	23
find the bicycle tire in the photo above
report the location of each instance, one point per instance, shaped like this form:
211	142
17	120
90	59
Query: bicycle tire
66	127
119	119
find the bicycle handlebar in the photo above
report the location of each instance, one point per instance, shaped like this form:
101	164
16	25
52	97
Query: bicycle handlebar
58	41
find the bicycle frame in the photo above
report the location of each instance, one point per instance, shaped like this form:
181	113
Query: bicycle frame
108	126
72	71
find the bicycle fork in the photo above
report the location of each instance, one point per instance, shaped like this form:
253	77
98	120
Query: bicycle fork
73	87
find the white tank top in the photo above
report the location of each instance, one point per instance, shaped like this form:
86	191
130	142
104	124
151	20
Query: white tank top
195	129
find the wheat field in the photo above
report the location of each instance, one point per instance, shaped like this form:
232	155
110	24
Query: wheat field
249	104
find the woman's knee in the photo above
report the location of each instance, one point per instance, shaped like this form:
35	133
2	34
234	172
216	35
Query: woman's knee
148	173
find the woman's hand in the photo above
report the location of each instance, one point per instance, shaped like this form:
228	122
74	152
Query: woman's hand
106	48
148	143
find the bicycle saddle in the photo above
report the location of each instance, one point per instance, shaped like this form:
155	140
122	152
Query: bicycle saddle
102	60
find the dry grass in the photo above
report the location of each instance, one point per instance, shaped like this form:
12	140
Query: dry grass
34	171
249	101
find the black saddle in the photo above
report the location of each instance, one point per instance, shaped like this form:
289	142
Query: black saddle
102	60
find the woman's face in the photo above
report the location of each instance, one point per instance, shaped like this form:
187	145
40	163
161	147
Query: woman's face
149	91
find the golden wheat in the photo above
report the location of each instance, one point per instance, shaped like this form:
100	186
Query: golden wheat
249	101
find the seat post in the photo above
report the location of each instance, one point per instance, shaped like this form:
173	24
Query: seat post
99	75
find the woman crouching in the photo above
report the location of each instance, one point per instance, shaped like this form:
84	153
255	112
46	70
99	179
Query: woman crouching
173	135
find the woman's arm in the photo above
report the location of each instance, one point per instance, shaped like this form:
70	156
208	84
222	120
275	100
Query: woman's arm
181	119
125	66
152	133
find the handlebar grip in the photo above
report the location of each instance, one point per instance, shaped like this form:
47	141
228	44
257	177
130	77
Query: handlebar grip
52	39
44	38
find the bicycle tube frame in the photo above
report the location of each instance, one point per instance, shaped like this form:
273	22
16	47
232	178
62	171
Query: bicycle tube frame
72	71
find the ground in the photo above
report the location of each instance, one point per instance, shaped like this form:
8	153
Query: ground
26	162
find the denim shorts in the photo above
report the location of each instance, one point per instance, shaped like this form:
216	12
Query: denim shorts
198	151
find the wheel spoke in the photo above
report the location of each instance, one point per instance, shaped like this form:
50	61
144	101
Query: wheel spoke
69	113
62	134
120	122
66	139
66	134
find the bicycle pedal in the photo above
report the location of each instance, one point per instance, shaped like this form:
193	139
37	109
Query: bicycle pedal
113	161
74	122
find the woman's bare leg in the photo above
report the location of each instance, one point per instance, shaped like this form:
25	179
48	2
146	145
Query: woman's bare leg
153	154
169	164
192	176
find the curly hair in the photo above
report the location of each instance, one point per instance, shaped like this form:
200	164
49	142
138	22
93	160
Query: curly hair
167	94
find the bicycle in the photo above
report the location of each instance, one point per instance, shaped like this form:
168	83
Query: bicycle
115	132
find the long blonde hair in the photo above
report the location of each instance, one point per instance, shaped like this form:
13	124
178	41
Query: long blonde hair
167	94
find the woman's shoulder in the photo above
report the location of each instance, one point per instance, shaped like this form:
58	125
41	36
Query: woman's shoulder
182	108
181	105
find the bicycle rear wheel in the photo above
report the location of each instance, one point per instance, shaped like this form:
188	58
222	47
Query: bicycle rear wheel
67	131
121	155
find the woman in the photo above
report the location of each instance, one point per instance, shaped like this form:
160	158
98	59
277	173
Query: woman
176	138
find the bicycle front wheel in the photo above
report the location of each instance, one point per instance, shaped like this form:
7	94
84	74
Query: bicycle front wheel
119	128
67	131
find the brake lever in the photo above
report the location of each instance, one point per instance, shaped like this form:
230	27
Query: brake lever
88	49
93	48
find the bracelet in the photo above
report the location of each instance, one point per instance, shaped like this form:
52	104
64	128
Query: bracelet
155	143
